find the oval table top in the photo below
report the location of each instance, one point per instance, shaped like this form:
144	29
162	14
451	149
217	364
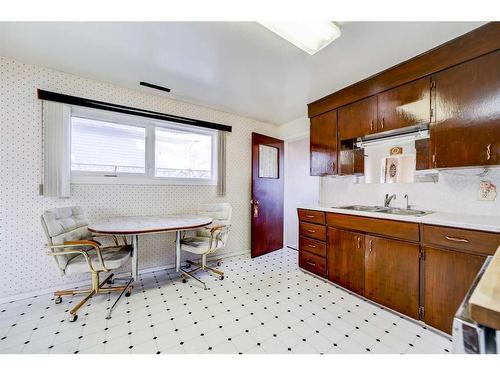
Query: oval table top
149	224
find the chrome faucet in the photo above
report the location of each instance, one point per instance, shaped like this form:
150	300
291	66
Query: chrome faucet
407	203
388	199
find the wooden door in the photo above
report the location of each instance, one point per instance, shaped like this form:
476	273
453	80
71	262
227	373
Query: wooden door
323	140
406	105
267	194
466	131
358	119
346	259
448	275
392	274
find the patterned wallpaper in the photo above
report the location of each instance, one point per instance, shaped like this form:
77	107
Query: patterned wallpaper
24	265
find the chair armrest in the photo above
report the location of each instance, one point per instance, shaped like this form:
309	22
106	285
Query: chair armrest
79	243
77	250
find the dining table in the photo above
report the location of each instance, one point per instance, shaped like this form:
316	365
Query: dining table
136	226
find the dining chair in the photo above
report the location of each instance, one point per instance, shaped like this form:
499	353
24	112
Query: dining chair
76	251
208	240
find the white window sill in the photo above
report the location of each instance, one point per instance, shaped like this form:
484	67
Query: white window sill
81	179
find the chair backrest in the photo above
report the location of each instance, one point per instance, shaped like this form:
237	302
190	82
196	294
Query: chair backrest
221	214
64	224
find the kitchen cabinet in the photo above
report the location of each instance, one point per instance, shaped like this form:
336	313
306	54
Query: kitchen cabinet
392	274
358	119
312	241
346	259
323	144
448	275
405	105
466	128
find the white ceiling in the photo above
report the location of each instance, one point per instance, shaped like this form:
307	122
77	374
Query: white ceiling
239	67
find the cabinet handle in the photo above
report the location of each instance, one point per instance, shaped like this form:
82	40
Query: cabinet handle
311	231
359	242
310	216
371	125
456	239
488	152
371	246
313	246
311	264
382	123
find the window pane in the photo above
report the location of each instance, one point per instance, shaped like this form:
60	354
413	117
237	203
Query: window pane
100	146
268	162
181	154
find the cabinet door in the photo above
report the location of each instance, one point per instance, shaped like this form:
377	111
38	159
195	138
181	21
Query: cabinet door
323	139
448	275
406	105
358	119
392	274
346	259
466	131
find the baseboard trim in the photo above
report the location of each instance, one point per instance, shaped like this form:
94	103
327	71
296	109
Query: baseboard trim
165	267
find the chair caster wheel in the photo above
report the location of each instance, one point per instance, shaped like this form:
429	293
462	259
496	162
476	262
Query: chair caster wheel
221	277
188	265
127	294
73	318
110	282
184	281
58	300
218	264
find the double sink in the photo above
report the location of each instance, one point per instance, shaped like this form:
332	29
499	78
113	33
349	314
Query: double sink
386	210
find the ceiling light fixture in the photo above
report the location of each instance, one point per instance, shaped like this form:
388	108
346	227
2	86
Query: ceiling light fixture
310	36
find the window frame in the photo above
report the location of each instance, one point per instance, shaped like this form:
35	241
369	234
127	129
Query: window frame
149	177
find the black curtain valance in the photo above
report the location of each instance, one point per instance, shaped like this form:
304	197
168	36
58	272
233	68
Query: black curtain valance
90	103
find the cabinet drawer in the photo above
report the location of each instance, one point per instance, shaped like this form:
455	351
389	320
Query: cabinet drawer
461	239
312	230
312	263
389	228
312	216
313	246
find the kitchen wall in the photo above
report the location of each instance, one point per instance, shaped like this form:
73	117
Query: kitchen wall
24	266
456	192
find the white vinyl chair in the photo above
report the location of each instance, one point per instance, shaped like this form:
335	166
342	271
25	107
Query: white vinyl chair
76	251
208	239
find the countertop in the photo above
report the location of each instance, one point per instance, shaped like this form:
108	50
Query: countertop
484	303
477	222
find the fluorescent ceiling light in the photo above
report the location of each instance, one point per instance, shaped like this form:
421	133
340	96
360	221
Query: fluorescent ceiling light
310	36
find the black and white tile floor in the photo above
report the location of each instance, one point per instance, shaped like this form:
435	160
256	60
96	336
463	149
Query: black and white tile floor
264	305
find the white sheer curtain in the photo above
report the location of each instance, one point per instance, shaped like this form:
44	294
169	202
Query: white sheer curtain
221	163
56	150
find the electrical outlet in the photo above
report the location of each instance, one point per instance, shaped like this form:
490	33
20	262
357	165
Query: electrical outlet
487	191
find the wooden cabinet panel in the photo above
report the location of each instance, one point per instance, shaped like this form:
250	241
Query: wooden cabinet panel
311	216
406	105
312	231
346	259
358	119
483	243
390	228
351	161
323	140
448	275
466	131
313	246
312	263
392	274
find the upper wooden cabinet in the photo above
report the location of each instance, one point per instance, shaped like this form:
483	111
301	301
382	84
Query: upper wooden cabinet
392	274
323	140
358	119
406	105
466	131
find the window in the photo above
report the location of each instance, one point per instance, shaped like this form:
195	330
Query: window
106	148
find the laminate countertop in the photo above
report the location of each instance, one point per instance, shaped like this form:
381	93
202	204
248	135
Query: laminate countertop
465	221
484	303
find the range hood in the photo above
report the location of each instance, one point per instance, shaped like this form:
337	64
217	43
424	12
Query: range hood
409	133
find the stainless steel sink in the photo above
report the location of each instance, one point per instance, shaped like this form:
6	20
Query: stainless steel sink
386	210
362	208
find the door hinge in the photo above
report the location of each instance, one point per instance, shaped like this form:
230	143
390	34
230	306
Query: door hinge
421	254
421	312
433	83
432	113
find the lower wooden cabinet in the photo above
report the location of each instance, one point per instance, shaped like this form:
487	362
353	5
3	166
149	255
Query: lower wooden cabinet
346	259
448	275
312	263
392	274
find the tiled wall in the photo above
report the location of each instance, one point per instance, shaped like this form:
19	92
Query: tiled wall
24	266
